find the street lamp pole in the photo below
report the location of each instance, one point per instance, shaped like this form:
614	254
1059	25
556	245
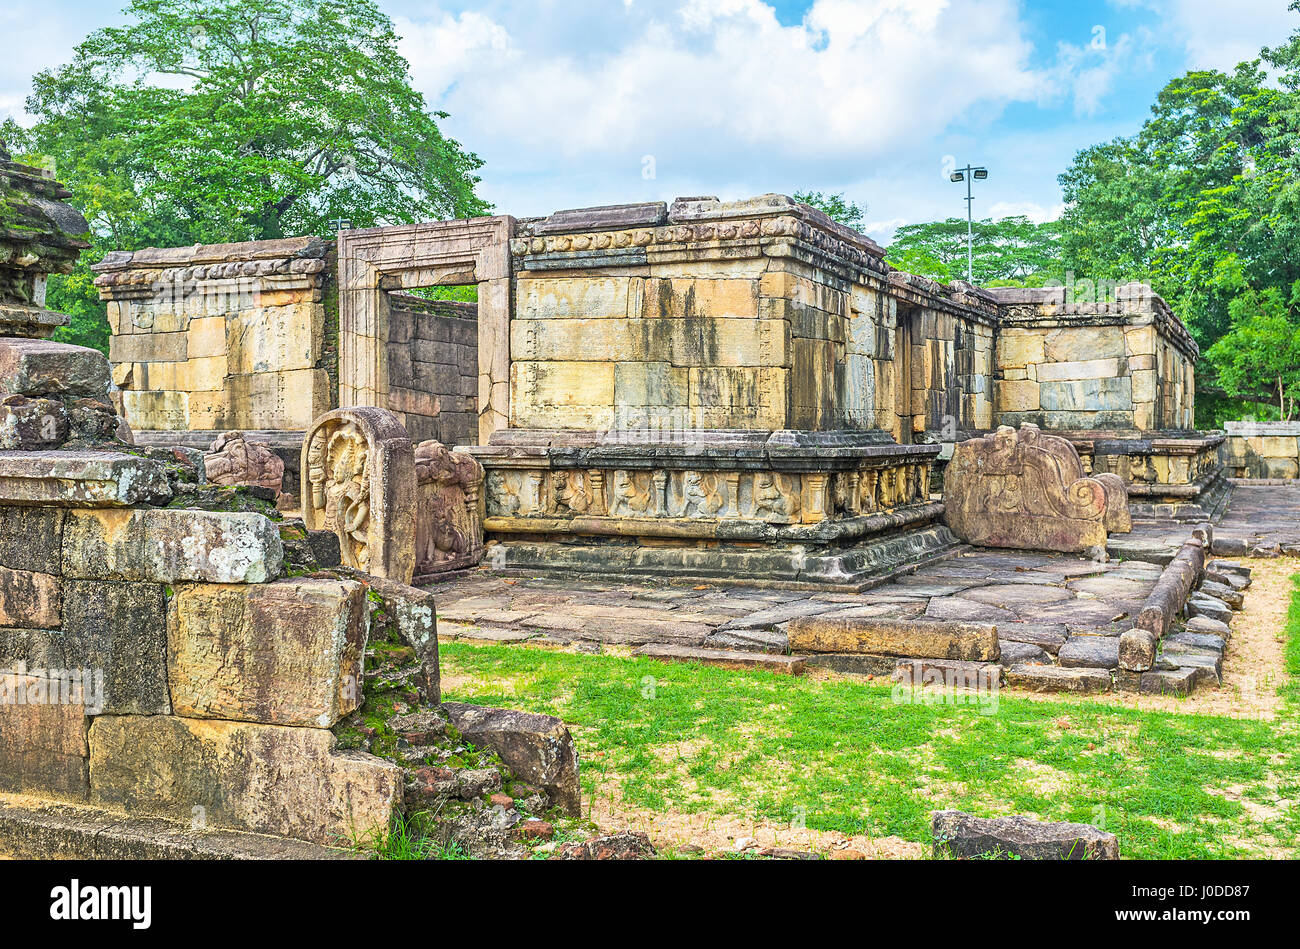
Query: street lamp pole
969	174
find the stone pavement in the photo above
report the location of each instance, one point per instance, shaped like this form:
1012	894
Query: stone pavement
1039	601
1262	520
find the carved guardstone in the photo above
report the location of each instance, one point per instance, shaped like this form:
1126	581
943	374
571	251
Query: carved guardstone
358	481
234	460
449	522
1027	490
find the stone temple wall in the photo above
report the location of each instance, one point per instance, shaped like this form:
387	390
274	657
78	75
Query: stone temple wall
218	337
1263	450
1121	365
433	368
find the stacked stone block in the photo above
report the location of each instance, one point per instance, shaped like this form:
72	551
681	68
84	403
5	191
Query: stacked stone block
221	336
1262	450
433	368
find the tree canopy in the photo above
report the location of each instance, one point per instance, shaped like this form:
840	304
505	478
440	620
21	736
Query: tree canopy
835	206
229	120
1012	250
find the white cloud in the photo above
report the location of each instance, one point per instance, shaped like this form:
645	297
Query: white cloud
1036	213
1216	34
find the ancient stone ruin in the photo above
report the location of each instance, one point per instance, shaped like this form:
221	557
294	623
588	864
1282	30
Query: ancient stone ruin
835	464
185	672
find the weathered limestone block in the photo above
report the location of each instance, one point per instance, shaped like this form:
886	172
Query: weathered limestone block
31	538
32	424
1027	490
120	628
30	600
893	637
43	747
449	520
537	749
265	778
359	481
149	348
287	653
412	614
233	460
281	401
1137	650
38	367
964	836
81	479
169	546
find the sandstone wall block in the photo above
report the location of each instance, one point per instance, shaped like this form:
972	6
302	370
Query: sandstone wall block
287	653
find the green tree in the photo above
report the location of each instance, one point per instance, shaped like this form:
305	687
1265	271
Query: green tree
206	121
1259	357
835	206
1203	203
1009	251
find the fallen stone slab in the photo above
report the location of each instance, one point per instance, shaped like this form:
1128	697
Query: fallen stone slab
1202	604
1090	652
1225	592
854	664
93	479
1209	662
904	638
1056	679
1204	624
269	779
538	749
752	640
171	546
964	836
287	653
948	673
1016	652
1049	636
1209	641
1230	567
40	367
723	658
1169	682
1235	580
40	830
1137	650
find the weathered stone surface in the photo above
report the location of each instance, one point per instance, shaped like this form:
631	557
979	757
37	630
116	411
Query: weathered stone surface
449	516
1170	594
964	836
907	638
265	778
753	640
1169	682
38	367
1090	652
81	479
948	673
724	658
32	424
411	613
1137	650
1050	636
287	653
855	663
359	480
627	845
171	546
233	460
31	538
1224	592
27	599
1204	624
42	737
1016	653
536	748
122	629
1201	604
41	830
1026	490
1197	640
1057	679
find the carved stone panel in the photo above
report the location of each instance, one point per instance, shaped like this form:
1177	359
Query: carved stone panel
449	521
358	480
1025	489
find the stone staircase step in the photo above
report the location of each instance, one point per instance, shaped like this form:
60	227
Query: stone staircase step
724	658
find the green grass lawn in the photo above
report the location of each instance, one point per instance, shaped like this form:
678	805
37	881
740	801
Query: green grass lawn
846	756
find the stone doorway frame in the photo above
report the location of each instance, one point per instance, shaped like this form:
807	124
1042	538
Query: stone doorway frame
376	260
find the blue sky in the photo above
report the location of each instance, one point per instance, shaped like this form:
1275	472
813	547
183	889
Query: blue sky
573	103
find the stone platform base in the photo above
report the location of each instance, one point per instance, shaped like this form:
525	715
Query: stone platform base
852	569
1190	504
32	829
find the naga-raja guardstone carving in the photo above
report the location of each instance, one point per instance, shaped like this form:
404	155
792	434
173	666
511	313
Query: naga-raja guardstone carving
449	521
359	481
1026	489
